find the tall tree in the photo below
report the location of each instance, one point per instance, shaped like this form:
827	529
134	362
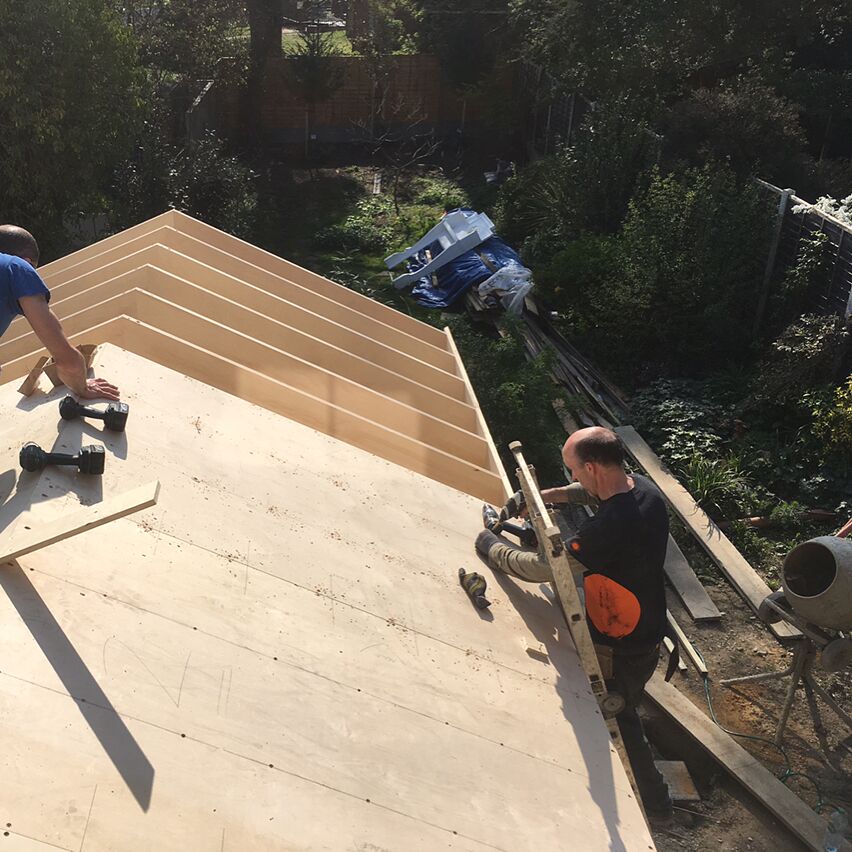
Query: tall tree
661	47
68	84
264	18
187	39
314	72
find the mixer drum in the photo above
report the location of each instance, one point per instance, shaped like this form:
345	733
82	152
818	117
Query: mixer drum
817	578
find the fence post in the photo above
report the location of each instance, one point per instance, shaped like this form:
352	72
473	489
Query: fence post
770	261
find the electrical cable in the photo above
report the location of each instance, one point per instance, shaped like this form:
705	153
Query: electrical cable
788	772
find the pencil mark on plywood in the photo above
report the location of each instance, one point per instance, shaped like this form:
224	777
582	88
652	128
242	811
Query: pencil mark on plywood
86	828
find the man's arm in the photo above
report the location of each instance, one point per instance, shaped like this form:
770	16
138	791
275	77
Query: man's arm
573	493
70	364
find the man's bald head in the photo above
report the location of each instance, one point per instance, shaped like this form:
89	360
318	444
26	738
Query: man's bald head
595	445
17	241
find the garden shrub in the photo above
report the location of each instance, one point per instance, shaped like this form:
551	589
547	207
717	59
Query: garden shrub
806	355
692	253
833	417
369	229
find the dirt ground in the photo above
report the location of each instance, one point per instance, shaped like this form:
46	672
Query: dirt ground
728	819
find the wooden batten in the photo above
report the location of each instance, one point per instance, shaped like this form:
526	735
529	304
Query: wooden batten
262	328
286	339
205	235
274	395
304	277
192	258
292	371
496	464
81	292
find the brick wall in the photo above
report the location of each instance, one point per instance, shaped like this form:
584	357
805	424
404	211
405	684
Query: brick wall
415	81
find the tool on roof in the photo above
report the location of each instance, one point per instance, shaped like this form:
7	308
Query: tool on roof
115	416
89	460
494	522
567	572
475	585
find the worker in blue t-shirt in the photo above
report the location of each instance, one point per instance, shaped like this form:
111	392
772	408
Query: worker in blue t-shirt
23	292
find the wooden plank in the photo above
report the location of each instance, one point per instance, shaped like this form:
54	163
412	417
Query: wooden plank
23	541
742	576
688	587
95	287
681	785
496	463
30	383
782	802
687	646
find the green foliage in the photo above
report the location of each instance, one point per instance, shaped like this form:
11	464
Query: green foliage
314	73
743	123
662	47
68	97
188	39
516	397
434	189
806	355
377	287
833	417
788	516
202	180
574	277
757	550
369	229
393	25
802	281
692	252
718	485
467	39
585	187
676	417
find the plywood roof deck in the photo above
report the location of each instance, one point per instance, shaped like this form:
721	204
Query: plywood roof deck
182	293
278	655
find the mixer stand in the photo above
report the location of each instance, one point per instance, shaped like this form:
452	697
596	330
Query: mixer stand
800	670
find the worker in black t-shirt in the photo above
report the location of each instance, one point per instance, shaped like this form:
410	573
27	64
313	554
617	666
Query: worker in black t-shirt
622	549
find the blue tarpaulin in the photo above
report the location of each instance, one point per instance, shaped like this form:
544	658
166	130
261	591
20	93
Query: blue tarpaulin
459	275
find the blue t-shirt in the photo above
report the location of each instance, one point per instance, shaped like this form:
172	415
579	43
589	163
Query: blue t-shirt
17	278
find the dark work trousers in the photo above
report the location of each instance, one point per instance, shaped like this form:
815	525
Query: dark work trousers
630	673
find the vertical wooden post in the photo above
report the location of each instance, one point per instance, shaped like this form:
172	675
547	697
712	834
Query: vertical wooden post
770	262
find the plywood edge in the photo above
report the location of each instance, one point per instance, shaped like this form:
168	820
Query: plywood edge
55	266
262	325
259	389
306	277
496	463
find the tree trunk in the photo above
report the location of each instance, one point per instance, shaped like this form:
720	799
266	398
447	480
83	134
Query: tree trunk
264	17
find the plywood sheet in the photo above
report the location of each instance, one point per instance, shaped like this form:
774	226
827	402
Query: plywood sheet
292	601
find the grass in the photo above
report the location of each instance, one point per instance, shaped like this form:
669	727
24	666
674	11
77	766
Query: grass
339	41
301	205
